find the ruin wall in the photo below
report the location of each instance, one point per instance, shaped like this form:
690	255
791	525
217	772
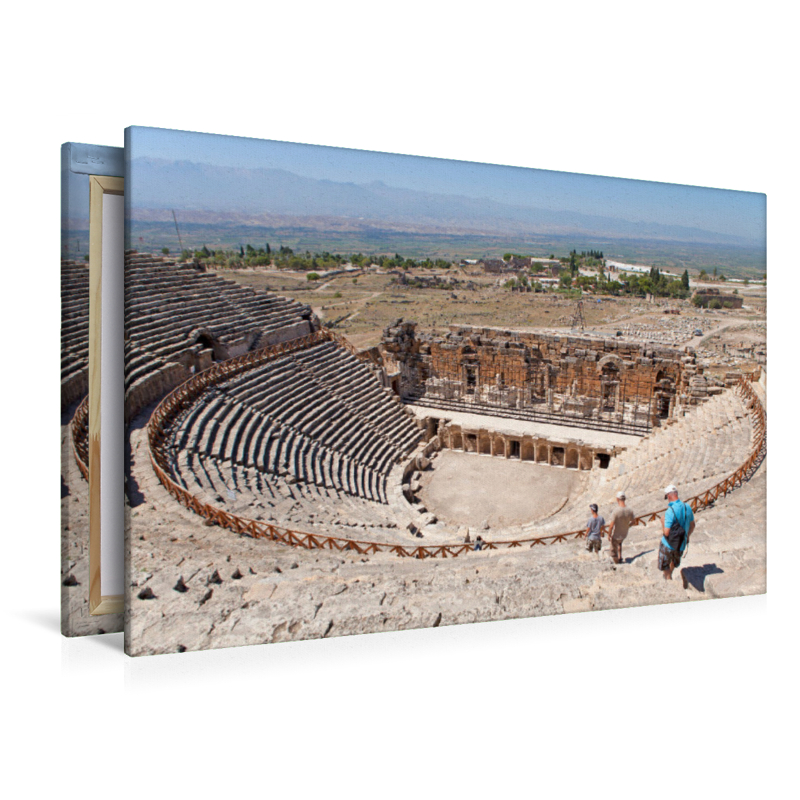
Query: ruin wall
588	375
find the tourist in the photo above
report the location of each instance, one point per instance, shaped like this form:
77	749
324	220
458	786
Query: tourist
478	544
594	530
678	527
621	521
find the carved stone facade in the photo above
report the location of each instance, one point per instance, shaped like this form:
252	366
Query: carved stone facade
593	382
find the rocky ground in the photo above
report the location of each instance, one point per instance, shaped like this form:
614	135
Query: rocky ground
75	617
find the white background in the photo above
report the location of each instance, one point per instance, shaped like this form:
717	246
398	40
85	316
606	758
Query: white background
695	700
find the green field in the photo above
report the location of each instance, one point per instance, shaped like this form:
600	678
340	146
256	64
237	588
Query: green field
734	262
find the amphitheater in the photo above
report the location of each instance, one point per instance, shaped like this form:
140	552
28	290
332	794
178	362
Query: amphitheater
283	485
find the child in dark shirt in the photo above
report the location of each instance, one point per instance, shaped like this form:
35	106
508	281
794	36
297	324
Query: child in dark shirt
594	530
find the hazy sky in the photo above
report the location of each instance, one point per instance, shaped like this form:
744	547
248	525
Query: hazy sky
720	210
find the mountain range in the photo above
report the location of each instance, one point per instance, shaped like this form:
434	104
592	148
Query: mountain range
216	191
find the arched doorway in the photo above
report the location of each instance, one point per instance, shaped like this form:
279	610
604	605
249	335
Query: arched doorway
663	396
609	387
204	338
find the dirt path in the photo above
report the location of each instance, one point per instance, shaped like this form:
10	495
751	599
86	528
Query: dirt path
361	303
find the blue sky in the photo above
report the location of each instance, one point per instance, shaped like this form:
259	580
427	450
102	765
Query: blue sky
720	210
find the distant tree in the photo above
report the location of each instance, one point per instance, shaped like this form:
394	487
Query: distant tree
747	281
722	277
685	279
573	263
552	256
312	276
86	257
165	250
715	304
355	280
508	256
764	277
241	251
715	272
703	275
268	251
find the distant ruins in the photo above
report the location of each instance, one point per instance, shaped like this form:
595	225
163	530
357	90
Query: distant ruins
704	297
605	384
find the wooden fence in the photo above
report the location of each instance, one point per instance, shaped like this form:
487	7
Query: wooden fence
186	393
79	428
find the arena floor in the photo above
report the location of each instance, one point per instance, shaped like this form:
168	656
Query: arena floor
470	489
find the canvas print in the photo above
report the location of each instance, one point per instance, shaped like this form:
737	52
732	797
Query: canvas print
369	392
85	601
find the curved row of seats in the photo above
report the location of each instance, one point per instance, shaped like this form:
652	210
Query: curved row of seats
696	452
269	497
74	319
165	302
315	419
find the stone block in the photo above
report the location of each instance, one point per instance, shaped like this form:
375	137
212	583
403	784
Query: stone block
737	582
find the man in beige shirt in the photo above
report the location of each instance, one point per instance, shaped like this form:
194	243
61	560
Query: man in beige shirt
620	522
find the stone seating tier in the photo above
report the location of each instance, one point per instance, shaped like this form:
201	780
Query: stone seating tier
74	319
167	302
270	497
695	453
314	418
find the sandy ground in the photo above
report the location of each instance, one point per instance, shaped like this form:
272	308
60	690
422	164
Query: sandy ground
469	489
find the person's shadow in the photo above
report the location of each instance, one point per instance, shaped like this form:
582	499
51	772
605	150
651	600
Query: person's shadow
696	576
638	555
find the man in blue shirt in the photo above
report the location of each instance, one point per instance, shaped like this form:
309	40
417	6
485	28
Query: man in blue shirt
678	527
